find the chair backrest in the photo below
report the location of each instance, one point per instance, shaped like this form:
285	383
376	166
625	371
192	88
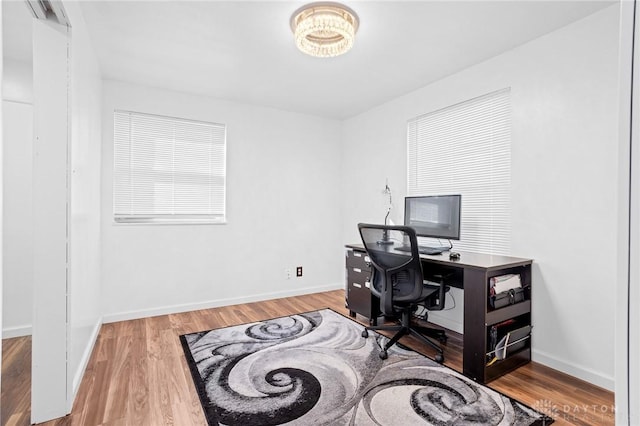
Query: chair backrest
397	275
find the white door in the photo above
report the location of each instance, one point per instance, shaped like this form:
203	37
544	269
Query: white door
50	390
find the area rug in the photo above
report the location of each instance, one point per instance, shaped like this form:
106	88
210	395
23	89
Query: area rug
316	369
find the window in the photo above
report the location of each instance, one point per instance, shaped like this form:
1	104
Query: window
168	170
466	149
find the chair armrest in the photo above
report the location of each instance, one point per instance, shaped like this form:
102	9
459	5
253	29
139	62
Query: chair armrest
437	300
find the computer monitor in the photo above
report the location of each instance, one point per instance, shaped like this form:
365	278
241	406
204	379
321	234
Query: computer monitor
435	216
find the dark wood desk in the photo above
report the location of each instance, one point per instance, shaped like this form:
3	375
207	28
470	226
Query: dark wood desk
471	272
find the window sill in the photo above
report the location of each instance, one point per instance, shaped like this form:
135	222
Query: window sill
164	221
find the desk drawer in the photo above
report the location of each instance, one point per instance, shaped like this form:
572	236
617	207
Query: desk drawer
360	300
357	259
358	276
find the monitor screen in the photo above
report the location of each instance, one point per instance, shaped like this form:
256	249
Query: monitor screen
436	216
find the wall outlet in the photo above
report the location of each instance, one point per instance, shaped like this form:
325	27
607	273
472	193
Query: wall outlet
299	271
287	273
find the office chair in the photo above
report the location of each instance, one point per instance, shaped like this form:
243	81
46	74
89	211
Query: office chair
398	281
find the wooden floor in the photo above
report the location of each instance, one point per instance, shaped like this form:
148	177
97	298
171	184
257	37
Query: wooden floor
137	374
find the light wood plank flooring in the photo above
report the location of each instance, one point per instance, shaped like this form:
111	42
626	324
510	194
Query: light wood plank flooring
137	374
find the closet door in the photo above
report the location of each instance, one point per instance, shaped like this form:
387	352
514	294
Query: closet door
627	347
634	235
50	390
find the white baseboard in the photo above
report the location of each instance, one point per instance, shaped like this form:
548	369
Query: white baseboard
10	332
173	309
79	374
586	374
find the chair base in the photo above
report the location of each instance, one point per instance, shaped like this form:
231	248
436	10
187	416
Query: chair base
424	334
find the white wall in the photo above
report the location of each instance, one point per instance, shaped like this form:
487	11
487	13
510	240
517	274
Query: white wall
85	309
17	219
17	243
17	83
283	211
565	195
564	179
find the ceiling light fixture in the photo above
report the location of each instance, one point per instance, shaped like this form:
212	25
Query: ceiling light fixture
324	29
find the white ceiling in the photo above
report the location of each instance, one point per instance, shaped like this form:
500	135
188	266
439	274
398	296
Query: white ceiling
244	51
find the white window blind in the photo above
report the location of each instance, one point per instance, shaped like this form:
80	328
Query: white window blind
466	149
168	170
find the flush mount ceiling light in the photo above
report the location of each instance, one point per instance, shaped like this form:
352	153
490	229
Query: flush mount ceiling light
324	29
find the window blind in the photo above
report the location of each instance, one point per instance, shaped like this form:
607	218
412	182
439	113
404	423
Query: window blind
466	149
168	170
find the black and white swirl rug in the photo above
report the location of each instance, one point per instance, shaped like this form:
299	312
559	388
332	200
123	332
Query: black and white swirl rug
316	369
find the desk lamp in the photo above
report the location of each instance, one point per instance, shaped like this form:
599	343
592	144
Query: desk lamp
385	234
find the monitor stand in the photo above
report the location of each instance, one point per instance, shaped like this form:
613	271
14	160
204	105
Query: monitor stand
385	241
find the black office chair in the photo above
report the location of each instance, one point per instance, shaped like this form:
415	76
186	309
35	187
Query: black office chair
398	281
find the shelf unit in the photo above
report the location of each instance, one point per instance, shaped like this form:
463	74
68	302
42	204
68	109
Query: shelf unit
477	333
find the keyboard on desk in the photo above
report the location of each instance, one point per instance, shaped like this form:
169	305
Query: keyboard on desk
425	249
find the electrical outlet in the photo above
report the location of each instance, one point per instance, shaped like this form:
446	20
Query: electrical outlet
299	271
287	273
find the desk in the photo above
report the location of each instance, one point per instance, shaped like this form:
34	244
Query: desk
471	273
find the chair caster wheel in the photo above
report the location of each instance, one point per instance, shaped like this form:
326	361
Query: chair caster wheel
442	339
365	333
439	358
383	355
